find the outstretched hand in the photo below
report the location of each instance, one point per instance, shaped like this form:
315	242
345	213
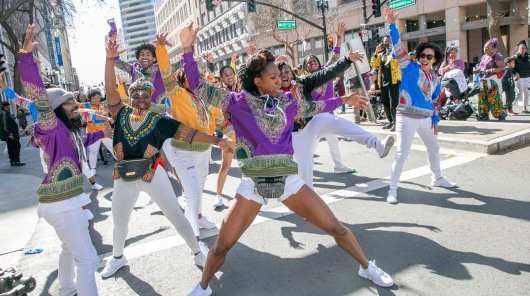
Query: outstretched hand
341	29
356	100
355	55
161	39
28	41
390	15
112	50
188	35
234	57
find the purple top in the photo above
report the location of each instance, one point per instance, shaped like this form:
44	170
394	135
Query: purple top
263	125
489	62
458	64
326	91
63	149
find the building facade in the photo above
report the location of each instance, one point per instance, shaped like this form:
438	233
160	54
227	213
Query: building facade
138	21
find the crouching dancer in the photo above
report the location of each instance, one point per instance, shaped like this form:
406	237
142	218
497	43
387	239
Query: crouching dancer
61	196
263	118
138	136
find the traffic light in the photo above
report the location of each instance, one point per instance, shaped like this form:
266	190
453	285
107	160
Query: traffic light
375	34
331	44
251	6
376	7
209	5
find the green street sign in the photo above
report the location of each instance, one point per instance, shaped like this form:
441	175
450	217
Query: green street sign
286	25
398	4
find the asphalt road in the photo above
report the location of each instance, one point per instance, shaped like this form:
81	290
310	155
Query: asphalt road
471	240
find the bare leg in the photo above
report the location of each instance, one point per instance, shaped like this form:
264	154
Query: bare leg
309	205
225	166
237	219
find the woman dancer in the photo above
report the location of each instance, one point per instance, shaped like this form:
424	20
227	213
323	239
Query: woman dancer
491	63
305	138
263	117
139	134
415	111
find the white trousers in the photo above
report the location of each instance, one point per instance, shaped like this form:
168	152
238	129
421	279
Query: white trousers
77	251
93	150
192	170
305	141
522	87
334	149
406	127
161	191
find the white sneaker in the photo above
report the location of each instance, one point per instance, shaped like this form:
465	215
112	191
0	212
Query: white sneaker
392	196
204	247
96	186
67	292
376	275
218	201
344	170
113	265
205	223
442	182
200	259
150	202
88	214
198	291
384	146
211	161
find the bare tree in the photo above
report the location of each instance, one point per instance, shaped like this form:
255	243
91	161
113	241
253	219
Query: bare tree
263	24
15	15
494	27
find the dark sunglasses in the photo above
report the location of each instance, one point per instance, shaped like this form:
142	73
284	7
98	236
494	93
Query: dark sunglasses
426	56
216	81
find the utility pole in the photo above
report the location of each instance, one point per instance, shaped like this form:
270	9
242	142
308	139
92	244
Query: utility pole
322	5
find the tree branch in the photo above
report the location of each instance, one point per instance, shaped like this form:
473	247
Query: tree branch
13	8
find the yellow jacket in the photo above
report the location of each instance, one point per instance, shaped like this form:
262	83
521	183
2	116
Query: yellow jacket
375	62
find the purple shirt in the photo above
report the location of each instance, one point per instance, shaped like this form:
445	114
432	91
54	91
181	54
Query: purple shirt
458	64
487	62
326	91
64	179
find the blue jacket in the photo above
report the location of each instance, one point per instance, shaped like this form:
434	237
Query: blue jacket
417	94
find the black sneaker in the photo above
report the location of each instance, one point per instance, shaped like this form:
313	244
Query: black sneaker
105	163
389	125
18	163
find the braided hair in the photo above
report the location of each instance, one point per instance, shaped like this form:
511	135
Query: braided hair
255	64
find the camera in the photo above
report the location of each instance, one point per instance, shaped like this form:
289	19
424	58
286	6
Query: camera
13	283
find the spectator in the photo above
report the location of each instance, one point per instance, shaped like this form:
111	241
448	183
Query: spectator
522	70
9	133
22	120
451	62
508	85
412	57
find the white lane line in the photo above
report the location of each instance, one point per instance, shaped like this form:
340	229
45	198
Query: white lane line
275	213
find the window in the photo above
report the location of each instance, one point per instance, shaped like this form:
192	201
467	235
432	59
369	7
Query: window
319	43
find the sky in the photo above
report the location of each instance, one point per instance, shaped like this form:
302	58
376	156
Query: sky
87	45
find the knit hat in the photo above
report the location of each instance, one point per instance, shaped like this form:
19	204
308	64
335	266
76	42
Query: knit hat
58	96
5	104
141	83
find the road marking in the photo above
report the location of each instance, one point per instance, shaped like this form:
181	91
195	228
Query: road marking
275	213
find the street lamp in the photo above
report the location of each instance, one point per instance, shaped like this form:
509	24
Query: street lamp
323	5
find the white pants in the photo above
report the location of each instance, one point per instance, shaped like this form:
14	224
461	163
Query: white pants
305	141
93	150
406	127
192	170
42	162
161	191
77	251
334	149
522	87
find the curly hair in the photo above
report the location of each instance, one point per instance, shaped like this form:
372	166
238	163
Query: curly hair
494	42
92	92
145	46
438	53
255	64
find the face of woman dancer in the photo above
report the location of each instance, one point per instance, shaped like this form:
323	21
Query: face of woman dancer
269	81
312	64
426	58
522	50
146	58
141	99
228	77
82	98
95	100
488	48
452	54
286	76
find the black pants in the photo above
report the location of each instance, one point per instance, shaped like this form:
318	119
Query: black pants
13	149
390	100
510	95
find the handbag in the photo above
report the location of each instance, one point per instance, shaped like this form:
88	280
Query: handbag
270	187
133	169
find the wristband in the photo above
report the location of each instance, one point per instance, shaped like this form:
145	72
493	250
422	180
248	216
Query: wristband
22	50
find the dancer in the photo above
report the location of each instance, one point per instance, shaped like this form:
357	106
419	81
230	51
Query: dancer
311	65
61	196
263	118
306	138
190	161
139	135
415	112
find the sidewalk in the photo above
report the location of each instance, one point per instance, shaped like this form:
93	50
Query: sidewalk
470	135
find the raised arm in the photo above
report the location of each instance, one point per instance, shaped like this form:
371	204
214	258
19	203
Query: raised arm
166	70
113	97
400	53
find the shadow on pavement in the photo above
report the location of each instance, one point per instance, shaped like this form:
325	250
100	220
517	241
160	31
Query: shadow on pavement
136	284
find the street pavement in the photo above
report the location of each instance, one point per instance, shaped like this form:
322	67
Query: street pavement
470	240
